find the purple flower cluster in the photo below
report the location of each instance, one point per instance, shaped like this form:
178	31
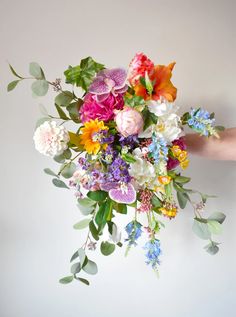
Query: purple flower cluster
118	171
129	142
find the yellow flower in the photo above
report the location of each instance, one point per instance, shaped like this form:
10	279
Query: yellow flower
88	137
164	180
176	150
182	156
170	213
184	164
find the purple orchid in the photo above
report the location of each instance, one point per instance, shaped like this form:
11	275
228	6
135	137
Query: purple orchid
120	192
109	81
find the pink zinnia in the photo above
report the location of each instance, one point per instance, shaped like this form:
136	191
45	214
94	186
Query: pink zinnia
104	110
138	66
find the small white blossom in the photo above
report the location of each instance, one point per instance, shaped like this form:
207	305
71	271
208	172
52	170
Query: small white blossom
51	139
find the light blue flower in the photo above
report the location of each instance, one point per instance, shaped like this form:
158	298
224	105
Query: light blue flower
153	252
200	120
134	231
158	149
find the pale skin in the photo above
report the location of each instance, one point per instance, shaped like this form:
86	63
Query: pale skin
213	148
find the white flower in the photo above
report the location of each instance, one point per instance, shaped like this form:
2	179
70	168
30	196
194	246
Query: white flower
142	170
168	122
51	139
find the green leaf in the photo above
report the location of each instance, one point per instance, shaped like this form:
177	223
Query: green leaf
66	279
74	256
64	98
120	208
98	195
217	216
82	224
93	230
83	280
219	128
134	101
91	267
41	121
83	74
148	84
82	256
205	197
36	71
214	227
59	183
14	72
68	169
104	213
75	268
86	202
61	113
73	109
128	158
40	87
182	179
12	85
50	172
182	199
156	201
201	230
212	248
107	248
149	118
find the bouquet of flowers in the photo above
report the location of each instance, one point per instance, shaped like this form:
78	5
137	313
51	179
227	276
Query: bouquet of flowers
125	155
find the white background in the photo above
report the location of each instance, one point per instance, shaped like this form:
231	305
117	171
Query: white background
36	234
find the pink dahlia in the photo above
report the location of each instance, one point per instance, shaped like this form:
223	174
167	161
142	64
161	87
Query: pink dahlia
138	66
104	110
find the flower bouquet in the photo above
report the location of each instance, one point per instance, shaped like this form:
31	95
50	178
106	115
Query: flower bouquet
125	155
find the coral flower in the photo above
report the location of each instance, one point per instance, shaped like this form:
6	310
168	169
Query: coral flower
90	135
163	86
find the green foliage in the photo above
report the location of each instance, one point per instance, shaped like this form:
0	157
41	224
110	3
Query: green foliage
217	216
36	71
73	109
83	280
61	113
91	267
201	229
98	195
12	85
82	224
104	214
14	72
68	169
156	201
59	183
182	179
75	268
93	230
128	158
120	208
212	248
182	199
66	279
41	121
64	98
134	101
149	118
107	248
50	172
40	87
214	227
83	74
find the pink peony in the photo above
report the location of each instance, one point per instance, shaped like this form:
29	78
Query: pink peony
129	121
138	66
181	143
104	110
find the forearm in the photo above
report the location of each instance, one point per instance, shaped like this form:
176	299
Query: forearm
223	148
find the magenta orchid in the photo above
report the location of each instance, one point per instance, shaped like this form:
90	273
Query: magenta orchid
109	81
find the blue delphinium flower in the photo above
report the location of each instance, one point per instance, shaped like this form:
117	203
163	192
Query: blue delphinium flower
153	252
134	231
158	149
200	120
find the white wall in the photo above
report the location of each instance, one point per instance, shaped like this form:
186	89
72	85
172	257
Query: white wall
36	233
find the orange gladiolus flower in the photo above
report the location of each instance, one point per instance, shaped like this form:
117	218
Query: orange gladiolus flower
163	86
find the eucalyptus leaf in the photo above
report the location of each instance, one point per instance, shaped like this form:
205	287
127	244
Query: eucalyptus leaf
82	224
83	280
82	256
64	98
86	202
58	183
12	85
50	172
212	248
41	121
14	72
93	230
75	268
91	267
36	71
217	216
107	248
182	199
66	279
201	230
68	169
61	113
182	179
40	87
214	227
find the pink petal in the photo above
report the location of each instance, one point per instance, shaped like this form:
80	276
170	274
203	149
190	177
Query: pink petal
98	86
123	197
118	75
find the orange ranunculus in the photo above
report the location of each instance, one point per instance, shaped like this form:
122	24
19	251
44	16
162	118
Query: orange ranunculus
163	86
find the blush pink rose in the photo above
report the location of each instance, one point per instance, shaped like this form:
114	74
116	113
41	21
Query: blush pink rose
138	66
129	121
103	110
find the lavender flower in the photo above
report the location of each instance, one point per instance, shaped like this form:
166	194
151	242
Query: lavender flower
153	252
128	142
200	120
109	154
158	149
118	171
